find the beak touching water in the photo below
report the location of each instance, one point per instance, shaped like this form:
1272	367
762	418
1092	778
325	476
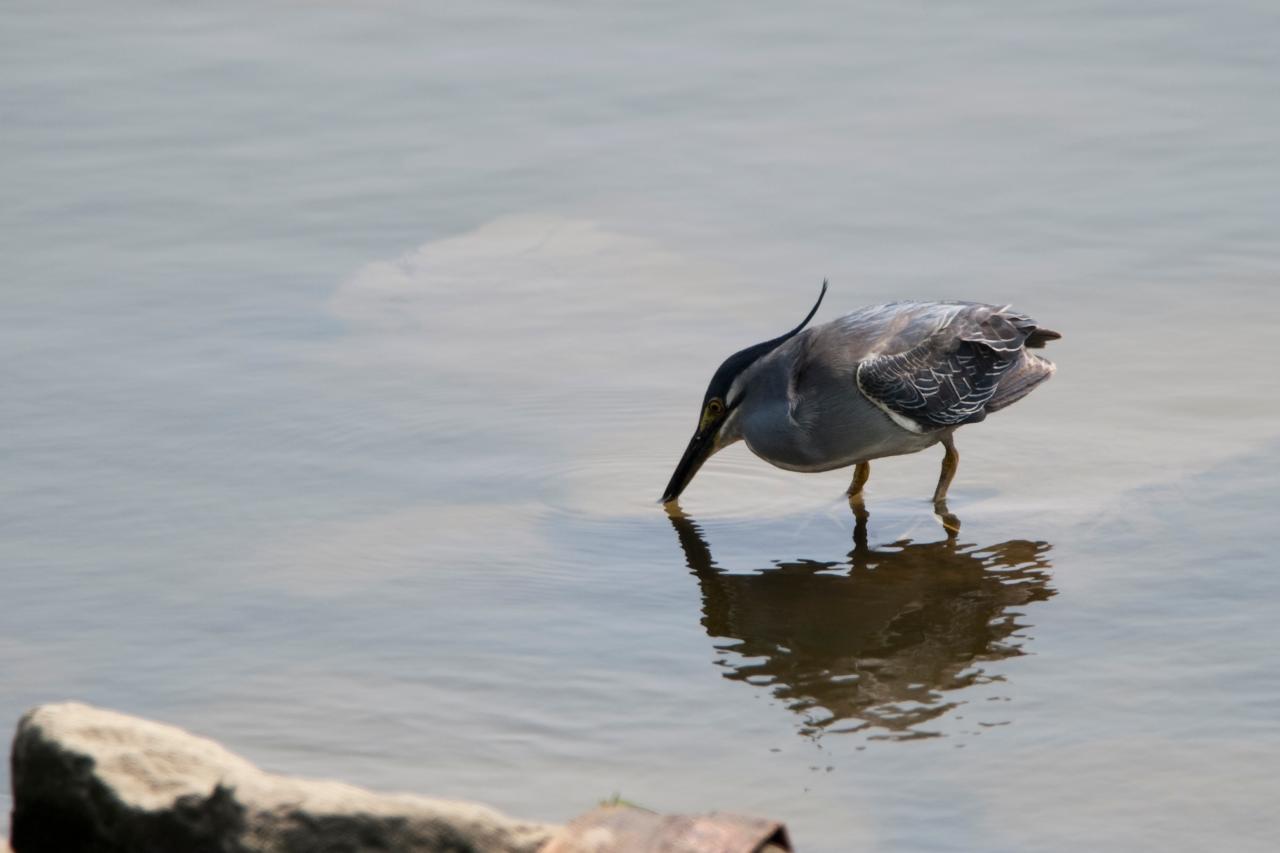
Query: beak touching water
701	447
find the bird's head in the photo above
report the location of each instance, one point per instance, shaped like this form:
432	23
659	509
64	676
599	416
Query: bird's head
719	403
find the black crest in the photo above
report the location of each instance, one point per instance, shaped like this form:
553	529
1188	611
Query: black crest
740	361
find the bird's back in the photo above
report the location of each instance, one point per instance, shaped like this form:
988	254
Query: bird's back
940	364
897	327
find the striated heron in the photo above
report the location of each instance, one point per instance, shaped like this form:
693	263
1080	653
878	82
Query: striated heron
881	381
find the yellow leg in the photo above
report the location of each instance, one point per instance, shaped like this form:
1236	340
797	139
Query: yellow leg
950	462
860	475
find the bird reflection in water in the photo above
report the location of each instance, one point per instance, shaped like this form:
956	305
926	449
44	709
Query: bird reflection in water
875	643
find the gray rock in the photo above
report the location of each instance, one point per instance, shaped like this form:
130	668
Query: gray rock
87	779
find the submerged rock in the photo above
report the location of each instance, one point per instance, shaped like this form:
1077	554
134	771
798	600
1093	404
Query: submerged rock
87	779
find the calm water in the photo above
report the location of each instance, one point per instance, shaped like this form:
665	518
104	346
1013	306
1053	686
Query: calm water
348	346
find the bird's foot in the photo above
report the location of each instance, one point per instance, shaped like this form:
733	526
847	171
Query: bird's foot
949	520
860	516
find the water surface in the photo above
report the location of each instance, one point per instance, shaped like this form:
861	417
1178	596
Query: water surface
347	350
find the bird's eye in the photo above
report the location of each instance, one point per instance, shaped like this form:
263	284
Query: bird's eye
715	408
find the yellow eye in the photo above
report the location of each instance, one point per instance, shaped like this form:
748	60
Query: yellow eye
715	409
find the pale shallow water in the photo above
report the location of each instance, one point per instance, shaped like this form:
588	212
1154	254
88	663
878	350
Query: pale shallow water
347	351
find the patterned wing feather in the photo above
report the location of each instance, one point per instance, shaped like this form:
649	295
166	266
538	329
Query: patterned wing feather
948	378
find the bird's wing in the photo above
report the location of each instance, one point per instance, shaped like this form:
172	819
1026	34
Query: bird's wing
948	377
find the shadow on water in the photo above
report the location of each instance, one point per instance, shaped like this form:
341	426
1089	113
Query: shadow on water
875	642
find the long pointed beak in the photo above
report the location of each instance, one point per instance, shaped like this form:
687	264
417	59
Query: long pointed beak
700	448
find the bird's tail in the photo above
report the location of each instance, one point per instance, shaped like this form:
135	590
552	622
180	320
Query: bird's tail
1039	337
1021	380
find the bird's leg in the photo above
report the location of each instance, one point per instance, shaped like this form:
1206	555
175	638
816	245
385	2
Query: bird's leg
860	475
856	503
950	462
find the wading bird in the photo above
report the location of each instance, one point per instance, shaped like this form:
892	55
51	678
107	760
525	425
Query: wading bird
882	381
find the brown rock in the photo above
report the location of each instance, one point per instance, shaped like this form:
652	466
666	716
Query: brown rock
610	829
